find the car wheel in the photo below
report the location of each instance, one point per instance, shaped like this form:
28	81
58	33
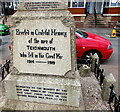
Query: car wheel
88	55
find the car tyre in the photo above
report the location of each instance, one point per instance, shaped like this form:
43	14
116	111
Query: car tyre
88	55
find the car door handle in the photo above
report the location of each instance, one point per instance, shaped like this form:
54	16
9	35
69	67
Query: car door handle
83	47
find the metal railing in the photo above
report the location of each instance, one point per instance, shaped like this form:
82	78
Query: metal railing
95	15
84	61
5	69
99	74
114	101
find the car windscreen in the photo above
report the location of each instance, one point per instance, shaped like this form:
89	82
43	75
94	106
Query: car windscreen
1	27
82	34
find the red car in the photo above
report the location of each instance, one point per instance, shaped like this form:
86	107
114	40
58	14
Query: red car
88	43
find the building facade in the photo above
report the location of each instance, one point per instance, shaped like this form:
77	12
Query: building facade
8	8
107	11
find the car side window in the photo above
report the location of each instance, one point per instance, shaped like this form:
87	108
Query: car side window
80	34
77	37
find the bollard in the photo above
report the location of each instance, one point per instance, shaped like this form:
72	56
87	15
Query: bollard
85	71
108	81
95	60
113	35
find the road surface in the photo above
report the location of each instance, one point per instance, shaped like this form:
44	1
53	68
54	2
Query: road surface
4	51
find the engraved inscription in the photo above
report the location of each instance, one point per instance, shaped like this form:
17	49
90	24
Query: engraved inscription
42	93
41	5
43	32
40	45
41	48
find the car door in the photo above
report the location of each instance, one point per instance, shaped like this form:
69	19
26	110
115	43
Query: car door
78	46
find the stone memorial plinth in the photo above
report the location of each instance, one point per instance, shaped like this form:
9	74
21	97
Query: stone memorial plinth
43	59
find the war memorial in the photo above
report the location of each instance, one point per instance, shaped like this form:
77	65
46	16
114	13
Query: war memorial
43	58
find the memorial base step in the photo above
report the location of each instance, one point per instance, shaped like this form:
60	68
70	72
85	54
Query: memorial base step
51	90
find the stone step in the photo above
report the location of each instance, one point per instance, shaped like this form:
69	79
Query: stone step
98	23
90	21
96	19
101	26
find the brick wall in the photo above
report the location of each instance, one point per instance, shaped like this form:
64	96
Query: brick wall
115	18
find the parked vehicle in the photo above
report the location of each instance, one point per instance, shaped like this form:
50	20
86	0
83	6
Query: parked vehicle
4	30
88	43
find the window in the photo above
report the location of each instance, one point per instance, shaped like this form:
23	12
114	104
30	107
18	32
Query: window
76	3
115	3
69	3
16	3
81	34
107	2
112	3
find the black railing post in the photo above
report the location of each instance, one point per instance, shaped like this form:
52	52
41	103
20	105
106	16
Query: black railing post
102	77
3	72
7	66
119	104
98	72
89	62
95	67
5	69
112	94
116	104
95	14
